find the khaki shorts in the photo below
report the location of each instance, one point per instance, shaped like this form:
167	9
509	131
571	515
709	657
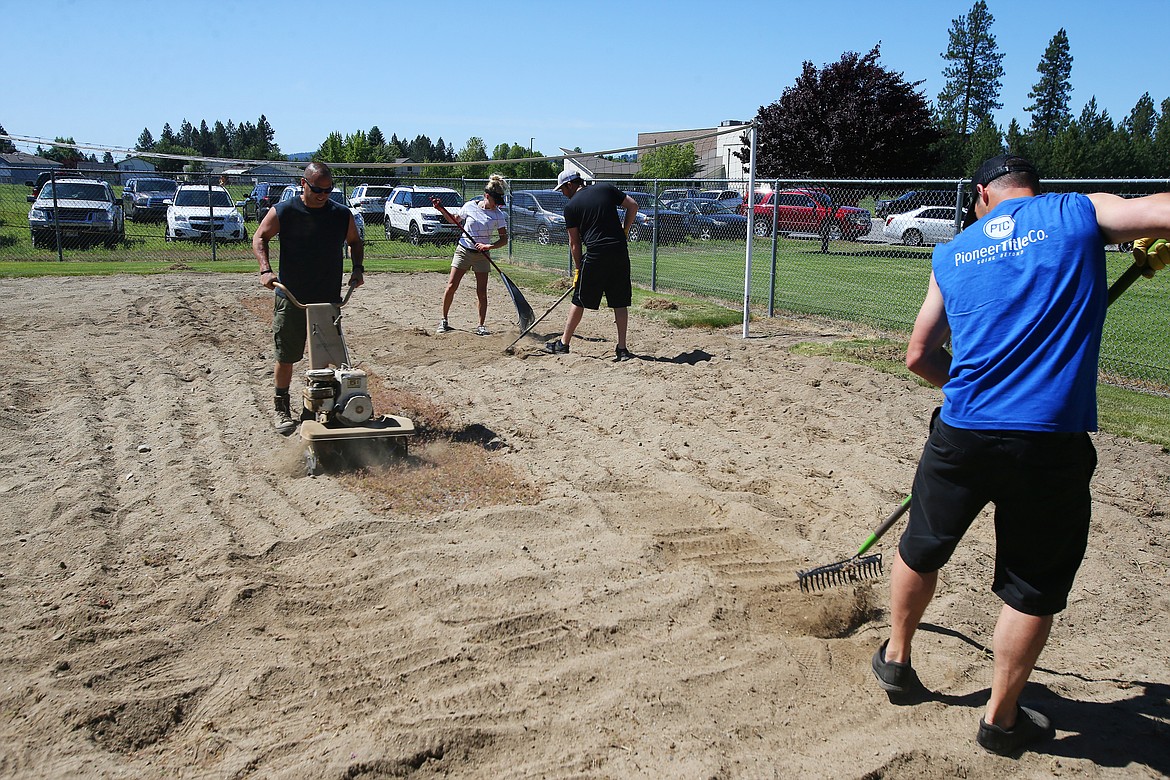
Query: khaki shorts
469	260
288	330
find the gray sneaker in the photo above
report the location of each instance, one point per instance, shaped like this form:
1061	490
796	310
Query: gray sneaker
1031	728
482	331
893	677
285	424
443	326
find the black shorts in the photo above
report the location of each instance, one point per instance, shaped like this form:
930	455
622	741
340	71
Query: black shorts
609	276
1039	483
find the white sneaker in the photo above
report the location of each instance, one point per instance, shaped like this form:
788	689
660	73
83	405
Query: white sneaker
443	326
482	331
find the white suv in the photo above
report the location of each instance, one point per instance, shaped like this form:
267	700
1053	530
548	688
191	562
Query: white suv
370	200
199	212
409	213
80	210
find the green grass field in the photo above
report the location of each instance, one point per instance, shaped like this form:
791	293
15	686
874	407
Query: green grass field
875	284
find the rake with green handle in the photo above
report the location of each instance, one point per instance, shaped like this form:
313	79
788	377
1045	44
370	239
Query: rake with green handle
860	568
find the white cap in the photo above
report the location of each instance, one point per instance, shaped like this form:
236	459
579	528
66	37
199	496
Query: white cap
566	177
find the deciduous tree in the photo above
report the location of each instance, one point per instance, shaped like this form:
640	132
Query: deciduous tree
66	155
670	162
851	118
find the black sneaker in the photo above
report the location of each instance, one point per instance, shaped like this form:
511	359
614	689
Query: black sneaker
892	676
622	354
1031	728
557	347
283	420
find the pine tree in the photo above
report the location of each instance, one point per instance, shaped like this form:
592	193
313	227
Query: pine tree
986	142
1142	119
1050	95
1138	131
186	136
6	146
1160	166
145	141
375	137
203	140
266	140
973	71
220	140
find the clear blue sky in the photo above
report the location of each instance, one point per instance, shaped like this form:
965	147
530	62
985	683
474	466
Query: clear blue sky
587	74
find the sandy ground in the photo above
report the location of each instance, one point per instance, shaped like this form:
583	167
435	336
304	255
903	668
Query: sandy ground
180	600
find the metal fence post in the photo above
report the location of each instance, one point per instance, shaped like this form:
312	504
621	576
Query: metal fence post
56	216
211	218
747	264
775	245
959	206
654	240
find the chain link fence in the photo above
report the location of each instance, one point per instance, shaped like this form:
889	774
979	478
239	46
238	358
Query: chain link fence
854	250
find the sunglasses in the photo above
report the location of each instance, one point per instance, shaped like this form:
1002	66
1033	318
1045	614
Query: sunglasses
316	189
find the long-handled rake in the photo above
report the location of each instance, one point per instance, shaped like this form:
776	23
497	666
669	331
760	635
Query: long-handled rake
860	568
856	568
523	311
511	347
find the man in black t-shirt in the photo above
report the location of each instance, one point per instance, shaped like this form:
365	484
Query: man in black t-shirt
313	229
604	269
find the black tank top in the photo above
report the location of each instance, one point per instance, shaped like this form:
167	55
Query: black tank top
311	243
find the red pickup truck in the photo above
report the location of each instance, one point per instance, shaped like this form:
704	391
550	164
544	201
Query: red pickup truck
807	211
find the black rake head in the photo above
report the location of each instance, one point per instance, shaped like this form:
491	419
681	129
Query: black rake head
841	573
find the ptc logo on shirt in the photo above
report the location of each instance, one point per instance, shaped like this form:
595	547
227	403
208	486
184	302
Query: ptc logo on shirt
1000	228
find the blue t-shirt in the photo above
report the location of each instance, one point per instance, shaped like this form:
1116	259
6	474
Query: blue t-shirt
1025	296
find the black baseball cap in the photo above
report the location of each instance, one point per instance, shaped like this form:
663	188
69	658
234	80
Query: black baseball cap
989	171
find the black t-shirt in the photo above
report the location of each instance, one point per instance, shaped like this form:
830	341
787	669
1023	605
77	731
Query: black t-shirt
594	211
311	240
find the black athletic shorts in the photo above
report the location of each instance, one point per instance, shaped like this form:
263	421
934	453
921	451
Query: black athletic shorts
1039	483
610	277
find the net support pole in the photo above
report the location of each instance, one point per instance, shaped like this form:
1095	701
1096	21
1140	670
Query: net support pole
751	231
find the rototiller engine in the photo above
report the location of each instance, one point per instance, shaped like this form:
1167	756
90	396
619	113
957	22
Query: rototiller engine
338	420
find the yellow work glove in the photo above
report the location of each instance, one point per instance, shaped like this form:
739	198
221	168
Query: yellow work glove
1152	253
576	274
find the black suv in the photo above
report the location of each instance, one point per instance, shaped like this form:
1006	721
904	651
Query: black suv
263	196
908	201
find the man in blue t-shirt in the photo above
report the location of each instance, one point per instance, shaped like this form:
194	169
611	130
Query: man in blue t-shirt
313	230
1021	298
591	217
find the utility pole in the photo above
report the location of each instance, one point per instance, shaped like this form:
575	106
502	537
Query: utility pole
530	140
